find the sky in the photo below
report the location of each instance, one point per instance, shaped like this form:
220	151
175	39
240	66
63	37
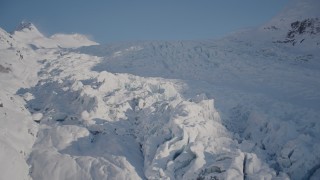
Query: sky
107	21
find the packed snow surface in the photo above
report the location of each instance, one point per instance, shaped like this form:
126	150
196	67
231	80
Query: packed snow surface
242	107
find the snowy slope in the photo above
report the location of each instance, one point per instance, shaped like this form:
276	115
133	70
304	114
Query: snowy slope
18	131
242	107
72	40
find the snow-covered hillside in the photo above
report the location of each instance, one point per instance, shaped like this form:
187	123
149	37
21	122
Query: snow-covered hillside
245	106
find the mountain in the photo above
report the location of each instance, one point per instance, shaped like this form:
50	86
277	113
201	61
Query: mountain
297	23
245	106
27	30
27	33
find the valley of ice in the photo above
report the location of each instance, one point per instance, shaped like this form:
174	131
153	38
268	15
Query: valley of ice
246	106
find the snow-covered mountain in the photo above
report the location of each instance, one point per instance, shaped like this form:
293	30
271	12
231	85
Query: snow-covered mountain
27	33
245	106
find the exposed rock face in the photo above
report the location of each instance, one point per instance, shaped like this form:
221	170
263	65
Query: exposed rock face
310	26
300	29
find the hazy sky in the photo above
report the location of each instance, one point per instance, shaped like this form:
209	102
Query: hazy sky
126	20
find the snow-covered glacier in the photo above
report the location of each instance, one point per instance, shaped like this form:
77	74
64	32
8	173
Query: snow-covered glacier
245	106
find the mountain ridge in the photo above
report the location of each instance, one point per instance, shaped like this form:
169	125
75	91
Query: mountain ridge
27	33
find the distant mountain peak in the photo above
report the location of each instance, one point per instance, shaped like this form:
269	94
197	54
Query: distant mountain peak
26	30
25	25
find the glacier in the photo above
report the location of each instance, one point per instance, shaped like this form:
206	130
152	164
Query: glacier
245	106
